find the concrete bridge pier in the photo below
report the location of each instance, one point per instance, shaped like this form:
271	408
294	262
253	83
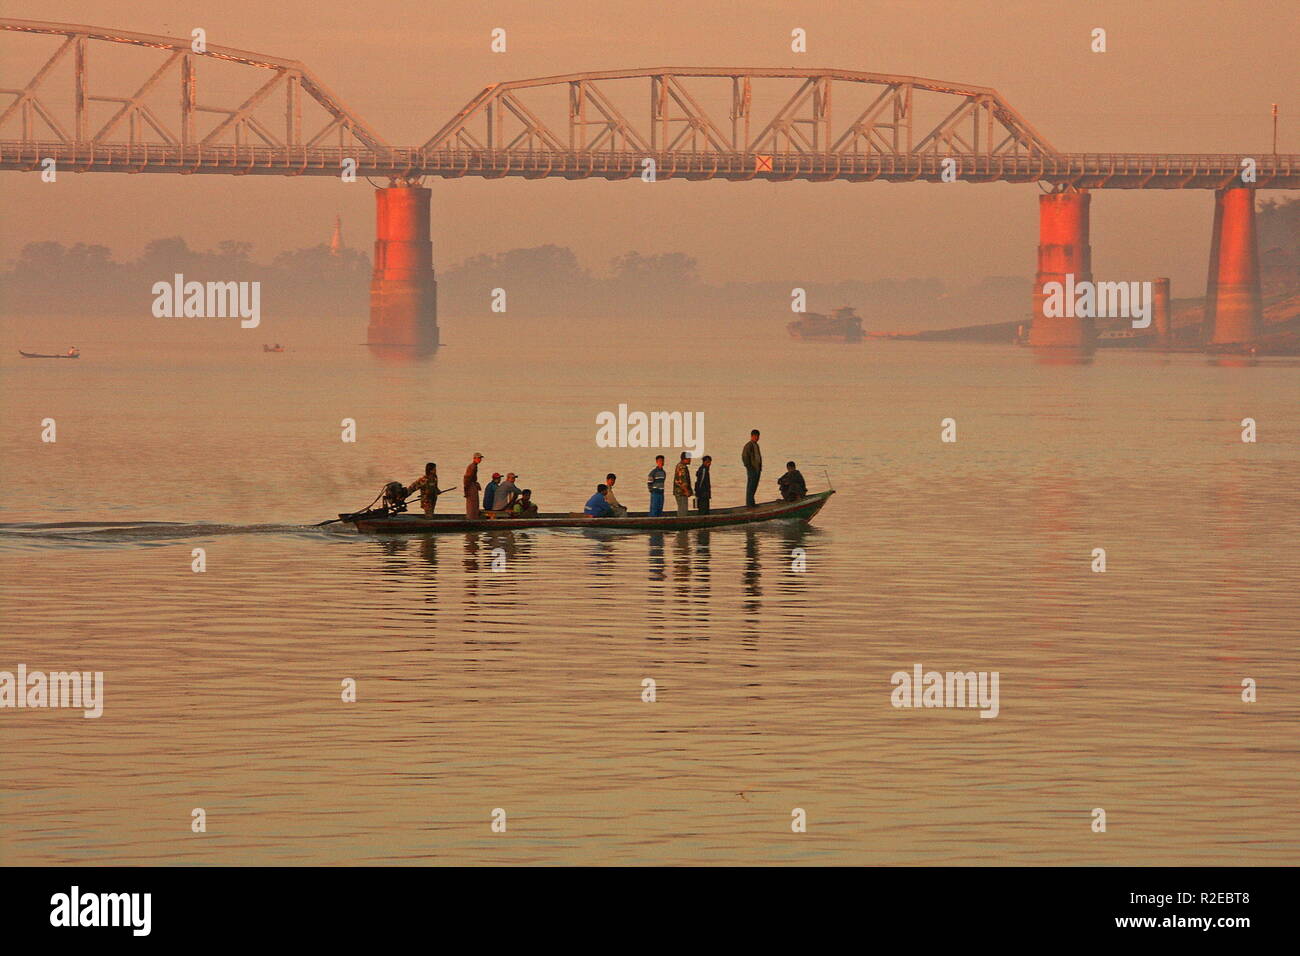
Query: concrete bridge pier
1063	249
1162	313
403	291
1233	302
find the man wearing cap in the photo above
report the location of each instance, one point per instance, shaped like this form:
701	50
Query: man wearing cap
489	493
472	487
506	493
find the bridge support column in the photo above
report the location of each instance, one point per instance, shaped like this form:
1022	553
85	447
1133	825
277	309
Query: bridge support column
1162	312
403	292
1063	250
1233	303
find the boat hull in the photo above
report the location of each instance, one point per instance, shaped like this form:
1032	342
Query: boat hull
39	355
835	337
802	510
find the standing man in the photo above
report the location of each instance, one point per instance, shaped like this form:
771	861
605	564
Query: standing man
655	482
703	485
611	499
490	491
472	487
752	459
427	485
682	484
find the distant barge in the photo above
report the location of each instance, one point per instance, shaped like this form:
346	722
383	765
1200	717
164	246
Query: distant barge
842	325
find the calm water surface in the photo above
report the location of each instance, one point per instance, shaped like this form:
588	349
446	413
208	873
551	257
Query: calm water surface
521	689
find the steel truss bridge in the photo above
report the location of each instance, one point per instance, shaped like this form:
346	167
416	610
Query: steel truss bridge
734	124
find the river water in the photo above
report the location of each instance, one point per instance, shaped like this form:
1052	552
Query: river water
505	672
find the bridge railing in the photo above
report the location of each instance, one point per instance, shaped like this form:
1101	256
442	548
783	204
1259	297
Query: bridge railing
1091	170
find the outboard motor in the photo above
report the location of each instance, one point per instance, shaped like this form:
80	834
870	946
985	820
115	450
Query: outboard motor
395	497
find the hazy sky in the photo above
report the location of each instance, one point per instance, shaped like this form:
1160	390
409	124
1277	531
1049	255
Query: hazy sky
1193	76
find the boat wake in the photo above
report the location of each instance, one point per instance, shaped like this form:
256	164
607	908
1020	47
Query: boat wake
92	533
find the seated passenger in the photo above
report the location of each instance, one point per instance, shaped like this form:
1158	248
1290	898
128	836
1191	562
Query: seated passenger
597	506
615	506
523	506
792	484
506	493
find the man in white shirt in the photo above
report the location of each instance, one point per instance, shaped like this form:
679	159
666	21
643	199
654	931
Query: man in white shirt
611	500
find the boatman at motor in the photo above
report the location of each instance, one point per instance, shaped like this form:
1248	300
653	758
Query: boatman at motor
597	506
792	485
427	486
703	484
682	490
472	487
752	459
655	482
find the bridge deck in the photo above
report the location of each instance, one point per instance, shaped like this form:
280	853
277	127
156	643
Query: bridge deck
1090	170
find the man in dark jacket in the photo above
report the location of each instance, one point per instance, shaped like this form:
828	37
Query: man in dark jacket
752	459
490	491
792	485
703	485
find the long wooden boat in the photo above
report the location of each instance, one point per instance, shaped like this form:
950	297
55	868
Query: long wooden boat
381	522
40	355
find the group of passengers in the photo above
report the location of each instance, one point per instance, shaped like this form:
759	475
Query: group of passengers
502	498
603	504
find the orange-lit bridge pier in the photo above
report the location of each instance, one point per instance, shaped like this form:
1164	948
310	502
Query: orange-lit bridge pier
693	124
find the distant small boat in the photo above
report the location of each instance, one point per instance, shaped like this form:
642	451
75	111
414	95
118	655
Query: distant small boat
273	348
843	325
70	353
1125	339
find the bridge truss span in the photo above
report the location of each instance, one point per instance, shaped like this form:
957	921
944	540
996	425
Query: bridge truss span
690	123
144	113
740	110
